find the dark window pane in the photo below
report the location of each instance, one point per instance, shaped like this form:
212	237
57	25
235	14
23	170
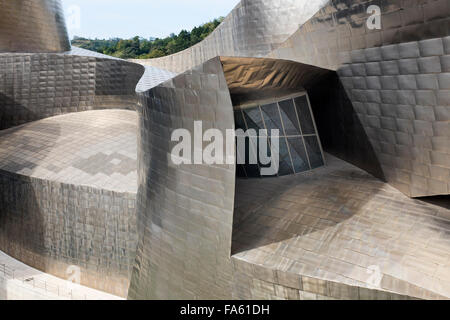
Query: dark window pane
253	118
298	154
285	160
272	117
289	117
240	171
285	169
252	170
268	155
313	148
239	120
305	115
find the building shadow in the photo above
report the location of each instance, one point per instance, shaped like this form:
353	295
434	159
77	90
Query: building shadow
340	129
440	201
273	210
24	227
13	114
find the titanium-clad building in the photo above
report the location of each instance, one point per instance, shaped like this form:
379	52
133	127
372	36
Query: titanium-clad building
358	93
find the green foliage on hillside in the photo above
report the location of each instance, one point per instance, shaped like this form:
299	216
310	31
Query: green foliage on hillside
138	48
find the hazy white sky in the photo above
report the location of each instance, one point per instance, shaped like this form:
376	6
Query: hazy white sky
145	18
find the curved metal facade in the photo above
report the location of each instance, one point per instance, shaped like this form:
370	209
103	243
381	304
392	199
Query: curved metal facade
185	213
203	233
39	85
253	29
33	26
390	101
47	222
68	196
388	111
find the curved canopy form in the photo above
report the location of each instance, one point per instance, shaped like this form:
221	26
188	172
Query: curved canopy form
256	79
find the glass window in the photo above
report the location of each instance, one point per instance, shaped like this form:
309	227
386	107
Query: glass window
304	115
289	117
285	159
240	171
314	153
298	154
253	118
239	120
251	149
272	117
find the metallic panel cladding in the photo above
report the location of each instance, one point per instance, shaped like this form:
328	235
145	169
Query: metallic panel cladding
185	213
388	112
32	26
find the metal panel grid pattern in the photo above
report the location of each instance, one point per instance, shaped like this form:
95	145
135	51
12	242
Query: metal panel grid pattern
299	146
401	95
317	235
52	226
32	26
68	195
339	27
151	78
185	212
37	86
396	82
92	148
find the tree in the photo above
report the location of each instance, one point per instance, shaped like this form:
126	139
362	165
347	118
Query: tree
147	49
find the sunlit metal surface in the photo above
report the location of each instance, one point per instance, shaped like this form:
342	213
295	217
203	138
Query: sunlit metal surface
332	233
185	212
253	79
39	85
389	110
68	196
337	233
32	26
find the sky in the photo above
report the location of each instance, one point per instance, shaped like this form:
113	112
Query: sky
104	19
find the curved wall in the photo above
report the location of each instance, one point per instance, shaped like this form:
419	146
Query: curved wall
388	111
203	234
32	26
336	33
51	226
68	196
253	29
41	85
185	213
